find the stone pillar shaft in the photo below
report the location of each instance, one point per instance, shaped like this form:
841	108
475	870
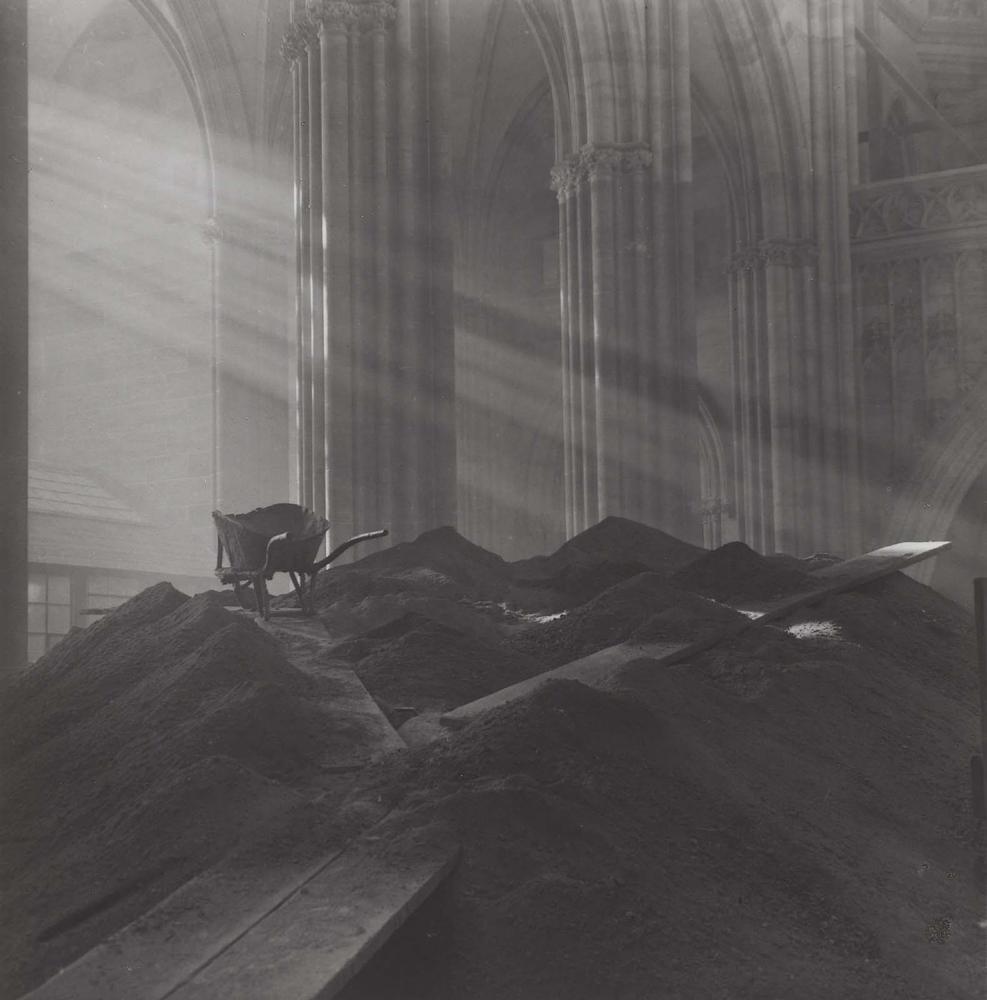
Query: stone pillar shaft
383	436
796	406
670	139
830	21
306	465
776	408
14	341
316	338
339	359
383	131
302	430
628	334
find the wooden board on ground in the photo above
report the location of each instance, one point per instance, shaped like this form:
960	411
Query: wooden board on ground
163	948
847	575
595	670
278	925
601	667
324	933
352	712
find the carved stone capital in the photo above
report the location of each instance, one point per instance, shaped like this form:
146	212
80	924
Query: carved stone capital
788	253
293	44
779	251
355	15
308	28
597	160
743	259
564	178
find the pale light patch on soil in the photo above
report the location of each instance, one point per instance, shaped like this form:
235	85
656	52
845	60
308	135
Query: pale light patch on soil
815	630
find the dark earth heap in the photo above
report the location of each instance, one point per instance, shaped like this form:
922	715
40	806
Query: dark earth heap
786	815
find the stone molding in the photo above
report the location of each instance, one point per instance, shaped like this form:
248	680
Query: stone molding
335	15
293	44
370	15
302	32
933	203
597	160
783	252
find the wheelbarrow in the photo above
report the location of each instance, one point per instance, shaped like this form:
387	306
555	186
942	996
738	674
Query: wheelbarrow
282	538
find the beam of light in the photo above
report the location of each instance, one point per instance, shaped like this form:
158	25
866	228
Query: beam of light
123	336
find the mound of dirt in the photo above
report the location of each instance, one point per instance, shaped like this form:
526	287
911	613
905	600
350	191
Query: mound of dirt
645	608
136	753
424	664
779	816
572	585
734	573
441	555
353	601
786	814
613	540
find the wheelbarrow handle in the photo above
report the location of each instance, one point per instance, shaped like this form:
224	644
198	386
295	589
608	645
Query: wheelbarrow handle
340	549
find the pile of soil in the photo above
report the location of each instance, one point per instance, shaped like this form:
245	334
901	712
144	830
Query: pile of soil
440	575
351	601
596	559
787	814
615	540
734	573
572	585
423	664
779	817
644	608
446	554
136	753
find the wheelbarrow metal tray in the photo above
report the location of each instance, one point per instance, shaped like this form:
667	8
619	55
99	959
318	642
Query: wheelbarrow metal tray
246	538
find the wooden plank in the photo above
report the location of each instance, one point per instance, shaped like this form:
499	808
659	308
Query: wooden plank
847	575
348	705
291	930
319	938
160	950
599	668
595	670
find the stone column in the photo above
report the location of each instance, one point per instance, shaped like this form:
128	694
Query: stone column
388	420
14	342
830	23
775	405
796	408
386	428
631	408
316	337
676	496
295	50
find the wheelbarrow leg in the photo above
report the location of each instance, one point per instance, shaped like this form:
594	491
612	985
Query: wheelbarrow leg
262	599
298	582
311	591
